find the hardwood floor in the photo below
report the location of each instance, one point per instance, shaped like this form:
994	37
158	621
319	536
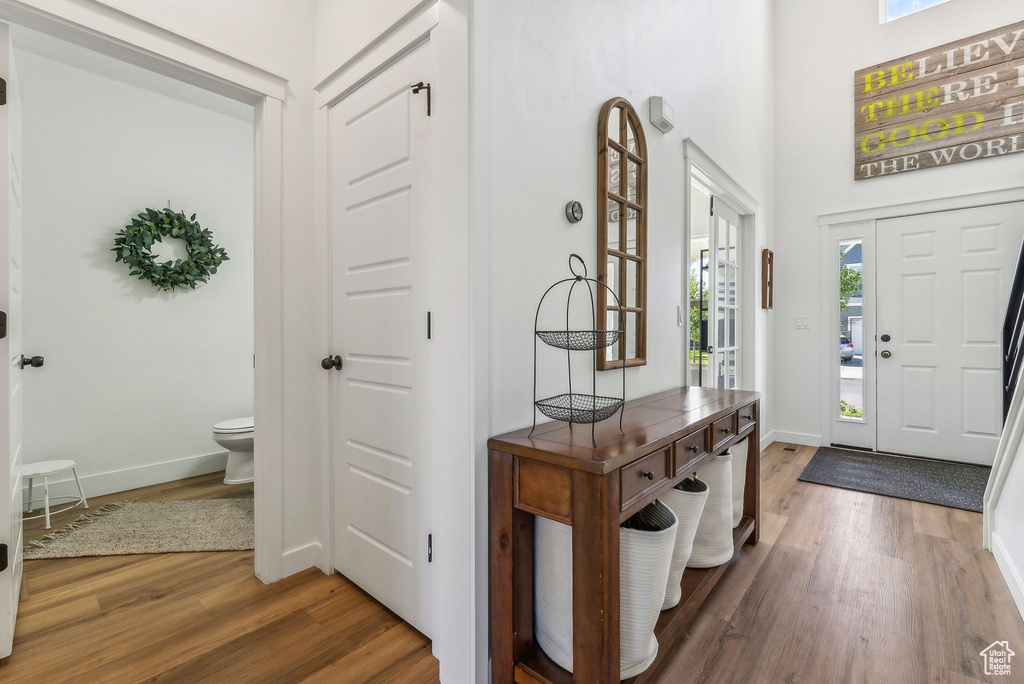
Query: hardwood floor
850	587
201	617
844	587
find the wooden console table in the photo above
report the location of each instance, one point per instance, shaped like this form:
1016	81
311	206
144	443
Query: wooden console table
558	474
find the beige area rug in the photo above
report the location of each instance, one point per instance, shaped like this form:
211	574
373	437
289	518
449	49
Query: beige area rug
131	527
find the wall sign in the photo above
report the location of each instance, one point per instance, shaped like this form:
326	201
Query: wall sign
955	103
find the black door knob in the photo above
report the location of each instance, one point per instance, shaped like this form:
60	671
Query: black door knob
886	338
34	362
332	362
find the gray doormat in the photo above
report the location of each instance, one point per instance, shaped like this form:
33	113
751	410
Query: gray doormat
130	527
936	482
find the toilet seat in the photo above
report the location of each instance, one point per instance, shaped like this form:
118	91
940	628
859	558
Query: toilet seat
235	426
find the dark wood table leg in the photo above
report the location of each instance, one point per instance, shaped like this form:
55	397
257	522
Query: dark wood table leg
502	567
752	492
595	577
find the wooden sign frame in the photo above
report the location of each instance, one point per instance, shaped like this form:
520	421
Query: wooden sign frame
955	103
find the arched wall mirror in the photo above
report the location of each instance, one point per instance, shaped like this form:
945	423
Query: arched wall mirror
622	232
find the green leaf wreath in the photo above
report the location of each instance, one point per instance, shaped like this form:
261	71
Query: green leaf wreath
133	245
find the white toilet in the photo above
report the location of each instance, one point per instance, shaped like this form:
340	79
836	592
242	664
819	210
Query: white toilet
237	437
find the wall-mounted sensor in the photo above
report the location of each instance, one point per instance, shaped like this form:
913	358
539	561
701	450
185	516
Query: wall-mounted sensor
661	114
574	211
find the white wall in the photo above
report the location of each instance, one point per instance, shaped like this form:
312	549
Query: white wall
1006	514
134	378
814	162
345	27
549	67
278	36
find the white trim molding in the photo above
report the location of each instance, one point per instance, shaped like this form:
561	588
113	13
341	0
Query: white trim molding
408	34
99	27
1010	572
800	438
124	479
301	558
1006	451
932	206
269	343
116	33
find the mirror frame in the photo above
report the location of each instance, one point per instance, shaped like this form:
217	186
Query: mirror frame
627	116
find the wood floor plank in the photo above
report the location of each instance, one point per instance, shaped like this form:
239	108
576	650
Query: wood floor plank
199	617
854	587
843	587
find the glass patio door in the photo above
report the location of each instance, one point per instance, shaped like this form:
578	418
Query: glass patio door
724	272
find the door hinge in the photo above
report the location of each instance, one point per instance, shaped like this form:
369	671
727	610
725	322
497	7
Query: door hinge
417	87
430	548
3	324
3	557
712	205
428	326
3	92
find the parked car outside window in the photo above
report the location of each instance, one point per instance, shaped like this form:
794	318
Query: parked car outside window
845	348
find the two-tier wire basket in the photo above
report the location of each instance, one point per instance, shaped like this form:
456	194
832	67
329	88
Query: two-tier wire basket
577	407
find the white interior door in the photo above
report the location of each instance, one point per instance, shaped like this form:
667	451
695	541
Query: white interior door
943	281
10	346
382	169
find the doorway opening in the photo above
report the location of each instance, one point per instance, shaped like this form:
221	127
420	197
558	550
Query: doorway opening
719	272
144	396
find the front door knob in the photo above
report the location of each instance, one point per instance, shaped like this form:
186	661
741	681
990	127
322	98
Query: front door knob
886	353
332	362
34	362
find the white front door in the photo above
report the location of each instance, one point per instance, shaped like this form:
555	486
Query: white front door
943	282
383	230
10	347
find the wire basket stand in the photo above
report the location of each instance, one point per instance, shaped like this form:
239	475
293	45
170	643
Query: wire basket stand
575	407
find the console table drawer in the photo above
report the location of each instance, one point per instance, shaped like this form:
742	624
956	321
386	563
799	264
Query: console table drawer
643	476
722	430
744	418
690	448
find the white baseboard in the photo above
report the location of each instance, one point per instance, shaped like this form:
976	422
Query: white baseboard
767	439
1010	573
796	438
111	482
303	557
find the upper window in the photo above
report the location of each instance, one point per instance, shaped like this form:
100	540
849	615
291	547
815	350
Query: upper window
894	9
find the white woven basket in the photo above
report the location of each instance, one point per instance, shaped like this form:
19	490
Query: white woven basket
739	479
712	544
687	501
644	559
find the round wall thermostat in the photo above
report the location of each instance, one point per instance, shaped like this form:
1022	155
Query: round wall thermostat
574	211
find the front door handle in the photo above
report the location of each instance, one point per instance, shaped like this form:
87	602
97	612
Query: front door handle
34	362
332	363
886	353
